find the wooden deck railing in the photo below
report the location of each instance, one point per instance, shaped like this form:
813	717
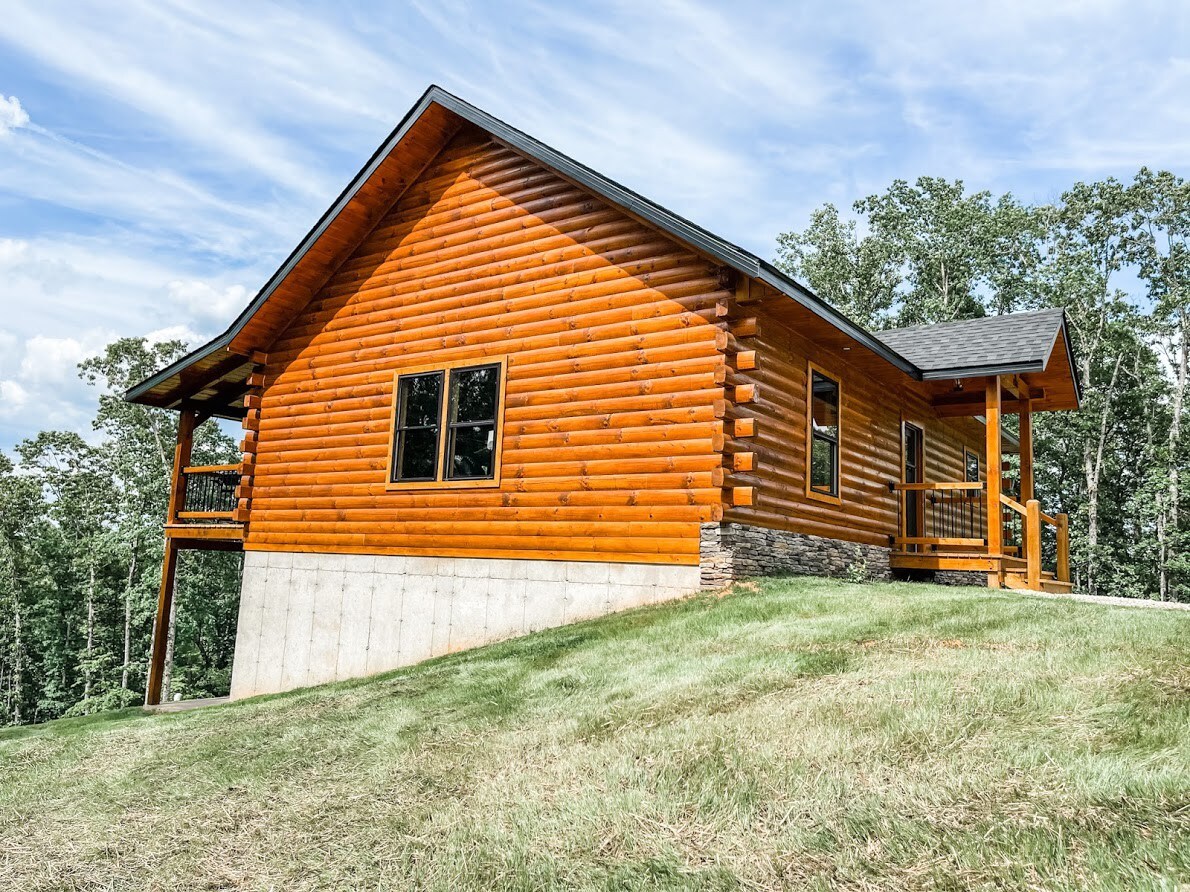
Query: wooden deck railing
940	514
207	493
1034	521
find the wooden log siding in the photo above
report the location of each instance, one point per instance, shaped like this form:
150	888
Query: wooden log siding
870	450
614	411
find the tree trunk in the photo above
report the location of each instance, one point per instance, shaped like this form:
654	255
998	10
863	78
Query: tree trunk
18	661
1175	438
167	673
90	634
128	617
1093	469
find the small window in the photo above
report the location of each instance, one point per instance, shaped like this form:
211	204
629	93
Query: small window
419	409
471	449
824	426
971	465
446	426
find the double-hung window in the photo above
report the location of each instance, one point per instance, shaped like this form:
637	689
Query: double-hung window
823	404
446	426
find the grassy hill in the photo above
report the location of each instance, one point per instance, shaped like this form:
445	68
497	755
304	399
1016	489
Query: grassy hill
794	734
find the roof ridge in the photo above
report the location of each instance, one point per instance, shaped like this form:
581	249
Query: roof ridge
1017	313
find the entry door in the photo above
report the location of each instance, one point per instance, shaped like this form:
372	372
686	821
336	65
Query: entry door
914	445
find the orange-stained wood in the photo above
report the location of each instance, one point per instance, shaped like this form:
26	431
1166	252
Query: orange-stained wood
610	446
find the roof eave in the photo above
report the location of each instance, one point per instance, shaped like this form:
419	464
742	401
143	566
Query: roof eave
983	371
681	229
225	339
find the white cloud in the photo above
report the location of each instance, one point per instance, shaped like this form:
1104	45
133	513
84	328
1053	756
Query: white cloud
183	333
202	300
39	384
12	116
54	361
13	398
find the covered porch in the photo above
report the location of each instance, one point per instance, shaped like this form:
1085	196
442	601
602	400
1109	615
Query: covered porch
990	521
996	525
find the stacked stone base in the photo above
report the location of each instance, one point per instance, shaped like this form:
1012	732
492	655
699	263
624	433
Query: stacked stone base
960	577
731	551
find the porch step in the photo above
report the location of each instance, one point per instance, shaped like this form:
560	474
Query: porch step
1048	583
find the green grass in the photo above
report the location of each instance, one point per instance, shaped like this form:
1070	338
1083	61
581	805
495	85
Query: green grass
794	734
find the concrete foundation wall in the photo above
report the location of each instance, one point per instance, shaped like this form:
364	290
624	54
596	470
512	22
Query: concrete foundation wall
308	619
731	551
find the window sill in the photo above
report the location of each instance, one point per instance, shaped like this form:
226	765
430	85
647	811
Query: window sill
442	484
823	497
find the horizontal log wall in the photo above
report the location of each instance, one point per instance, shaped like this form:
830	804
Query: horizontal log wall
874	406
614	402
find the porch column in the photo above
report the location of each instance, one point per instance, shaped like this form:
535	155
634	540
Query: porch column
995	475
165	595
165	601
1026	448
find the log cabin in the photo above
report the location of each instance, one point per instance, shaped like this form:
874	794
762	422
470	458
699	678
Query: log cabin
494	391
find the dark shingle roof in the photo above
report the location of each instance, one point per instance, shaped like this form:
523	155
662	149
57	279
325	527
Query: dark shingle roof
1002	344
1019	342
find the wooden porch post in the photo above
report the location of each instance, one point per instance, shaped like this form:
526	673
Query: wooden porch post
165	600
165	595
994	460
187	422
1033	544
1026	449
1063	573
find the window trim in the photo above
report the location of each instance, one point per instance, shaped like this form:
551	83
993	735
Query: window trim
971	453
441	480
835	498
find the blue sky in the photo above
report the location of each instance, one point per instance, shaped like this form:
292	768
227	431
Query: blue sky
158	159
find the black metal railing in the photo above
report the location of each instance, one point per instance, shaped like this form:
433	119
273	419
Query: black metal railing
1013	537
209	492
941	514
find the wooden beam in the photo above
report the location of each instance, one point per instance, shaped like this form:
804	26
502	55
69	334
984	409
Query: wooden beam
165	600
963	405
1033	544
745	328
744	393
1063	525
1026	451
744	360
993	457
187	422
743	427
192	381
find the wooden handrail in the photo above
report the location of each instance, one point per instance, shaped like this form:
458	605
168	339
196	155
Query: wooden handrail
922	487
1016	506
937	540
204	469
1045	518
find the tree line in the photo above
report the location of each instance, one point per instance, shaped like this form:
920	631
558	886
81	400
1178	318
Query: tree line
1117	257
80	517
80	557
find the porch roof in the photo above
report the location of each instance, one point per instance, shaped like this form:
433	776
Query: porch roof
994	345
